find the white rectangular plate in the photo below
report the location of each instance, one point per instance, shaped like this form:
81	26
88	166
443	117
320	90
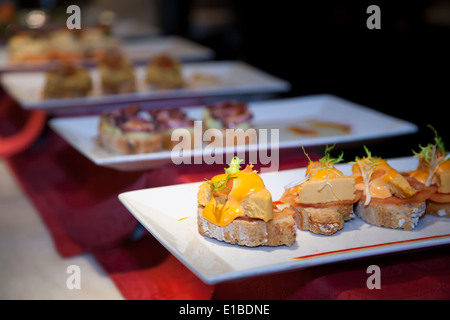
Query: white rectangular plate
169	214
235	78
365	123
138	51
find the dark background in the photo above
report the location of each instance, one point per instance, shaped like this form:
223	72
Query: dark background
325	47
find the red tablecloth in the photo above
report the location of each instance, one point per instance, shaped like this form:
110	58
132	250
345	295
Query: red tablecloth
78	202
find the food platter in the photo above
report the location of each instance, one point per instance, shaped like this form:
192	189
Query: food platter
345	122
233	78
174	224
137	50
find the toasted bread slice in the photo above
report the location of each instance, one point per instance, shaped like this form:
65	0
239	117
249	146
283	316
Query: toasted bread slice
388	215
325	218
326	221
249	232
438	209
121	87
124	144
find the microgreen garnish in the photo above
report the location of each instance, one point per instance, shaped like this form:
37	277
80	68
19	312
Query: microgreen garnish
327	159
327	162
367	166
432	155
234	166
221	184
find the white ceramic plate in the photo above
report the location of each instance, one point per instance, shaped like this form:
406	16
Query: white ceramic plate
364	123
174	224
234	78
138	51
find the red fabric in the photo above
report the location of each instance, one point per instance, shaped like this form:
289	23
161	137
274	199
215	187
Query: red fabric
77	201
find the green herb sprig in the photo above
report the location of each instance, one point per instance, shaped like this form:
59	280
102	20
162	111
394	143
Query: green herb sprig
233	168
367	166
433	154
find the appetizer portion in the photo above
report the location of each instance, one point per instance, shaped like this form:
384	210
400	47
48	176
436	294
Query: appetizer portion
61	44
67	81
116	73
223	115
129	131
168	120
387	198
227	115
433	175
236	207
324	198
164	72
27	46
97	41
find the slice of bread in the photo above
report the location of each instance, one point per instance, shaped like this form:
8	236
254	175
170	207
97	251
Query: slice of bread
438	209
249	232
325	218
124	144
326	221
388	215
120	87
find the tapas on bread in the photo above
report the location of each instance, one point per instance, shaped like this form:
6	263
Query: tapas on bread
387	197
129	131
164	72
61	44
234	115
116	73
67	80
227	115
236	207
433	176
169	120
323	199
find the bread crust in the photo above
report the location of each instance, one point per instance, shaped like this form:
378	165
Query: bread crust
438	209
117	88
129	145
326	221
393	216
250	232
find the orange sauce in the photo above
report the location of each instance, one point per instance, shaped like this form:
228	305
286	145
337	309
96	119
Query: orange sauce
378	184
314	127
244	184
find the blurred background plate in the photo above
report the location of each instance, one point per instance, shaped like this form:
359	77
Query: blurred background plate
334	120
233	78
138	50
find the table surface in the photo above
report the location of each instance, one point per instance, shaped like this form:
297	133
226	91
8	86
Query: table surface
30	267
